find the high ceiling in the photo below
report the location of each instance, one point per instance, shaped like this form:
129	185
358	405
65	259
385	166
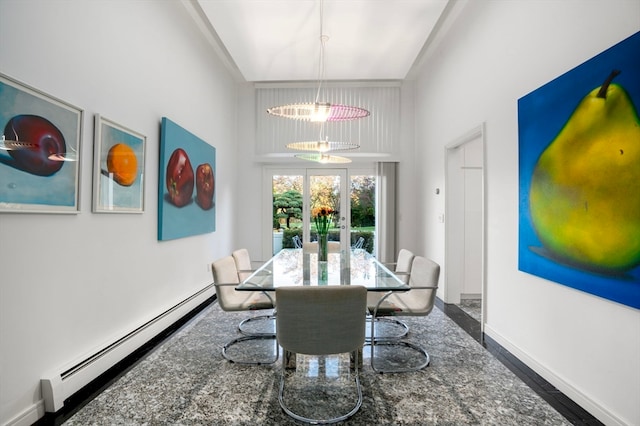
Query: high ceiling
279	40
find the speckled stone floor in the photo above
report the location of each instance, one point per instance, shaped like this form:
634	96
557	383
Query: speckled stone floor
186	381
472	307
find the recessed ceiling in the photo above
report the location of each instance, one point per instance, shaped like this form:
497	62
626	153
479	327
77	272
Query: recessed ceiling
279	40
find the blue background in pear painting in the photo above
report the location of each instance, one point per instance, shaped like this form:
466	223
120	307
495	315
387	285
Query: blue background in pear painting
178	222
541	115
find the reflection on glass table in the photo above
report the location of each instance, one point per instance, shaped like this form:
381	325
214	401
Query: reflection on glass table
294	267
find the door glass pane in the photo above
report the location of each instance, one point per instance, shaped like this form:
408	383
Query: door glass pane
287	200
324	193
363	211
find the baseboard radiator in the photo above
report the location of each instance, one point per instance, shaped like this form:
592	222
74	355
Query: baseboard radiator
59	385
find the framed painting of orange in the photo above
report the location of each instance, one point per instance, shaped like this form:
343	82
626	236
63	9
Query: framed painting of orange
118	170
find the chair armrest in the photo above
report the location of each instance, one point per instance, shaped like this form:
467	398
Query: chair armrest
258	289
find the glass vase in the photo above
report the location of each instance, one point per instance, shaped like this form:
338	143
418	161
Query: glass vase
322	247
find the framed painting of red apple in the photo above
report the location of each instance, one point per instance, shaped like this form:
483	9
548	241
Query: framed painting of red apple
186	187
579	159
118	170
39	151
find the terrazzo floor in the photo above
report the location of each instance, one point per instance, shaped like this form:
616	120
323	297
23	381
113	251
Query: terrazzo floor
472	307
186	381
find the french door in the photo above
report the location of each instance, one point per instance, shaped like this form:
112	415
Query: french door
292	196
327	189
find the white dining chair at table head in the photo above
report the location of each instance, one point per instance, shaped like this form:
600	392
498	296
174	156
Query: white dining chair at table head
319	321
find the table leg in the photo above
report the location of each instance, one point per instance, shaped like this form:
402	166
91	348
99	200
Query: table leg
352	359
290	360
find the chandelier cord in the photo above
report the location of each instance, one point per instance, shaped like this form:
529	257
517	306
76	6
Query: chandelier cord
323	40
319	111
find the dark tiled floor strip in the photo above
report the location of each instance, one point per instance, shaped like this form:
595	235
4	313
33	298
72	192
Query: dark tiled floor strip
565	406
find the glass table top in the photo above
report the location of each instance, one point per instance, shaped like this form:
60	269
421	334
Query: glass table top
293	267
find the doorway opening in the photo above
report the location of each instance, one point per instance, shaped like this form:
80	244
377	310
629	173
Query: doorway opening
464	277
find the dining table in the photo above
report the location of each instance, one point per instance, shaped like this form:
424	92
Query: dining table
299	267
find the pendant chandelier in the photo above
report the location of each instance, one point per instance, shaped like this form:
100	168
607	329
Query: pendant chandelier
323	158
322	145
319	111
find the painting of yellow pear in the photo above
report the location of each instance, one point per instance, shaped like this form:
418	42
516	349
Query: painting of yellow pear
579	148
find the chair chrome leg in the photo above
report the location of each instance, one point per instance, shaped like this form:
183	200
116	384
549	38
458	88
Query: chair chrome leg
320	421
246	332
404	328
246	338
375	341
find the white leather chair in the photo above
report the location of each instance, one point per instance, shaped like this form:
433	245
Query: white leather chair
243	263
402	266
320	321
225	279
402	269
418	301
245	268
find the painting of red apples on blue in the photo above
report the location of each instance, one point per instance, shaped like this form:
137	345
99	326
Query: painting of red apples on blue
186	187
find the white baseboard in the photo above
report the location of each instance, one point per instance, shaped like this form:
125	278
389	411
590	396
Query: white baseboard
473	296
28	416
601	413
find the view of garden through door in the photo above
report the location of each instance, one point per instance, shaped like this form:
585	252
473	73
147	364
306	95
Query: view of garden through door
348	196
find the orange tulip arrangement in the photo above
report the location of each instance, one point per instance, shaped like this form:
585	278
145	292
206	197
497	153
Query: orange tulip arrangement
322	218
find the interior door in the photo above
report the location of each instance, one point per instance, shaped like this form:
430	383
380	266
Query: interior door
465	227
328	188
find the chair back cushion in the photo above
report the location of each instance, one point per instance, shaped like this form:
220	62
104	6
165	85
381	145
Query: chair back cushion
224	271
242	259
321	320
404	261
225	279
424	273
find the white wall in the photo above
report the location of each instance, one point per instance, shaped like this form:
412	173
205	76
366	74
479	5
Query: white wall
494	53
73	283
